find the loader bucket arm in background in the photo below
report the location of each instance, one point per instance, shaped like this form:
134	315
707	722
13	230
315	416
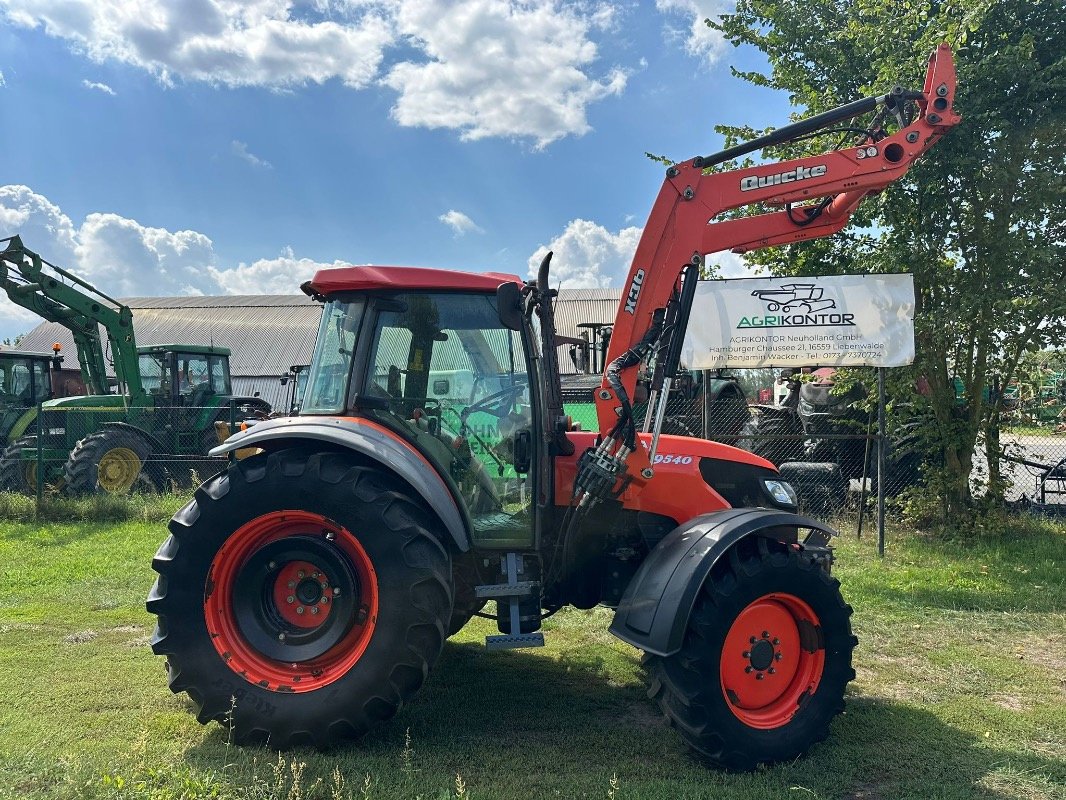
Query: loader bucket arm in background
61	297
817	194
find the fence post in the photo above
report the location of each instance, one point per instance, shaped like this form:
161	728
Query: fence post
881	461
706	432
39	457
232	457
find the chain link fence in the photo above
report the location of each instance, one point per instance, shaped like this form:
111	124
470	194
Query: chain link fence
826	446
1032	433
101	446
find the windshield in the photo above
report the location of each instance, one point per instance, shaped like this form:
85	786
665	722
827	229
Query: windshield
155	372
327	381
24	381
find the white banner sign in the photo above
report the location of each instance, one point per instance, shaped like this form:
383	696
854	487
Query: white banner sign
837	321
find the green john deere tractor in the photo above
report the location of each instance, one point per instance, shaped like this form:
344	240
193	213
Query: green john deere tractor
155	431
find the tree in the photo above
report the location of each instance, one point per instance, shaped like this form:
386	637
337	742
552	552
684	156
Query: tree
980	220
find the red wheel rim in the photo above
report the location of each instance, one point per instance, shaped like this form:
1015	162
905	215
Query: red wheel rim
772	660
291	601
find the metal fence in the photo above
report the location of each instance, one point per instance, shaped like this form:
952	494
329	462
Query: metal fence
103	446
831	458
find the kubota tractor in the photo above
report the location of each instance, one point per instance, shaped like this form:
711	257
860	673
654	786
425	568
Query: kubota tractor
305	593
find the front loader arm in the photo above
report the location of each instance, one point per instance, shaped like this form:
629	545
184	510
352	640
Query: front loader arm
816	196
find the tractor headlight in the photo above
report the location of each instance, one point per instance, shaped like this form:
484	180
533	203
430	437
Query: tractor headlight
781	491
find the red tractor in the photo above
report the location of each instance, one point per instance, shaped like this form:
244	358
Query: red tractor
305	593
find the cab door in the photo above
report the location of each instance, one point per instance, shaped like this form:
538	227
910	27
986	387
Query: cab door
442	368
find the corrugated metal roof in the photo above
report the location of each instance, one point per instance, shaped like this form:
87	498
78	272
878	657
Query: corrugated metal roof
266	334
221	301
269	333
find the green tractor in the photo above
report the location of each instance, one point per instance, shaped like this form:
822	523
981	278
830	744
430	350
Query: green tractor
25	381
155	431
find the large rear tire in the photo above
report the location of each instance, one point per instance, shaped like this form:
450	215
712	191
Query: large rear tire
467	603
765	660
302	598
110	461
17	475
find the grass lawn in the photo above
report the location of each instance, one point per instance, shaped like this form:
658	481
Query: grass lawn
961	691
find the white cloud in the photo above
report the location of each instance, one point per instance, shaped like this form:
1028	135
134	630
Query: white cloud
459	222
240	149
3	83
126	259
699	40
281	275
100	87
524	69
228	42
498	68
588	256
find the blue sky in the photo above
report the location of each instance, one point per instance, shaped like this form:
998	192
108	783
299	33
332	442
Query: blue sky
234	146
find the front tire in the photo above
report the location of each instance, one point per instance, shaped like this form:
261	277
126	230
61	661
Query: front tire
765	660
292	530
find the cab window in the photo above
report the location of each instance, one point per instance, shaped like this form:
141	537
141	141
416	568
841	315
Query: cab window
443	368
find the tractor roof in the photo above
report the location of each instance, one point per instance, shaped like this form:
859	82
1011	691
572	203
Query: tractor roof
6	353
200	349
368	279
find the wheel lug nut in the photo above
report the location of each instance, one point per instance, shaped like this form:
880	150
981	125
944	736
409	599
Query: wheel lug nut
746	654
766	634
301	574
758	676
290	599
299	609
336	591
292	584
281	637
314	609
752	640
776	640
748	668
772	671
325	599
777	656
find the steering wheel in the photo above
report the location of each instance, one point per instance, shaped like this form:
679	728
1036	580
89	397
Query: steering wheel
508	393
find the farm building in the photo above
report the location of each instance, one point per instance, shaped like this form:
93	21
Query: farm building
267	334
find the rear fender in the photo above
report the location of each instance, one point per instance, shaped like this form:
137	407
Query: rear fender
653	613
368	439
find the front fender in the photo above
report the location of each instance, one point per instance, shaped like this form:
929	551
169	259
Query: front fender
653	613
368	439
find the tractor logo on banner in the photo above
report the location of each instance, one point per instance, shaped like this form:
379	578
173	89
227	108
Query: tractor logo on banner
804	297
796	305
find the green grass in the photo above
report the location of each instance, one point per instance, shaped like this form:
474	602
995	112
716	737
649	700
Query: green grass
961	690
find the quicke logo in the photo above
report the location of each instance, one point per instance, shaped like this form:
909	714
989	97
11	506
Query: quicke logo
789	176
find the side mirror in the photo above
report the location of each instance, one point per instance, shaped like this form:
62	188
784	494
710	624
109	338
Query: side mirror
509	305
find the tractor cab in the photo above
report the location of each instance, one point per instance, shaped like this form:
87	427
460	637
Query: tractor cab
184	375
435	367
25	381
